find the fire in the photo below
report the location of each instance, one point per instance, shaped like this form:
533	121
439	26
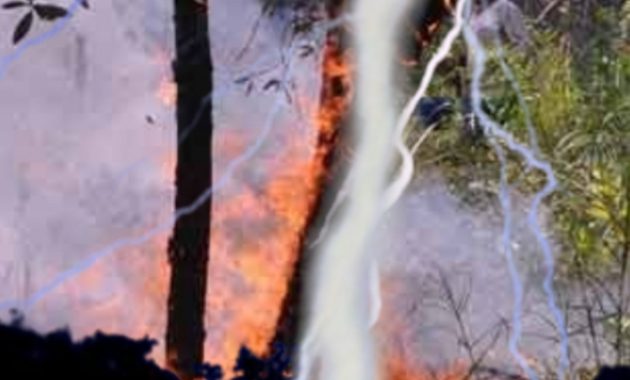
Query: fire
257	229
398	362
256	234
398	369
337	90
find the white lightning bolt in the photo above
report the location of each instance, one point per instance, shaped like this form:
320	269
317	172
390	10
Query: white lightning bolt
346	276
392	194
396	189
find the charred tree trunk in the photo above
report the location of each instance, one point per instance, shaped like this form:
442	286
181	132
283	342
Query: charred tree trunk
189	244
333	139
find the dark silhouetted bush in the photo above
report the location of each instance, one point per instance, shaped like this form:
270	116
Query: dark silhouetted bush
28	355
614	373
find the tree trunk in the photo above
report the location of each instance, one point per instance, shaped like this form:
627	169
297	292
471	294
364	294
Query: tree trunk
189	244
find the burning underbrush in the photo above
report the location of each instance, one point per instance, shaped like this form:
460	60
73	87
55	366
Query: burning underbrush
260	221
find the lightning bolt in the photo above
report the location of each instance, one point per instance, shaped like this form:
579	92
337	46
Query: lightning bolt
506	239
495	131
399	185
339	333
391	195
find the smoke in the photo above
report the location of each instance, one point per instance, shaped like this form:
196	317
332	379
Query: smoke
72	189
429	230
115	180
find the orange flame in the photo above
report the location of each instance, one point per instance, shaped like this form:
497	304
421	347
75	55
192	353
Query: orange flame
398	369
256	234
398	363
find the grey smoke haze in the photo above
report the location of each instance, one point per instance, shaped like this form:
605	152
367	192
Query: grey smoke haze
81	165
431	231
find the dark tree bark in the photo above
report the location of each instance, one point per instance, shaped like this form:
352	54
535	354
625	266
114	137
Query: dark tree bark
188	250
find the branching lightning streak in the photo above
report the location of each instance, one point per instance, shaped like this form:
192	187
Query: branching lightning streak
422	138
494	130
343	191
166	225
396	189
37	40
